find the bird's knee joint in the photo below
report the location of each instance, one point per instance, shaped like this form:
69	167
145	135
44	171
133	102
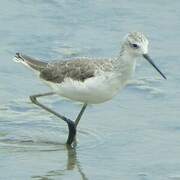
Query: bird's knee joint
33	99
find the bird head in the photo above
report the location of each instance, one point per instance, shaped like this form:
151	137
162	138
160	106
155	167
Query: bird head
136	44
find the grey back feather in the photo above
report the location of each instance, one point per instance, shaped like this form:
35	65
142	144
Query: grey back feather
79	69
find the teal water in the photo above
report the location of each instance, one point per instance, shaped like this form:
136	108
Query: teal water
134	136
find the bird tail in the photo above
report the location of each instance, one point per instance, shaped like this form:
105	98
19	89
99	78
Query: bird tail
30	62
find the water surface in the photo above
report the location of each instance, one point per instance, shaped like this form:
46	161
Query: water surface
134	136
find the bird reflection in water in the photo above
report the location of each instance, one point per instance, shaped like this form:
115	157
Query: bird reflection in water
72	163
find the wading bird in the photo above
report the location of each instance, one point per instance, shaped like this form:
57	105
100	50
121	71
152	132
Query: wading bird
88	80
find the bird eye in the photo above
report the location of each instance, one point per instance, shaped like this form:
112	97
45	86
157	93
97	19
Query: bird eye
135	46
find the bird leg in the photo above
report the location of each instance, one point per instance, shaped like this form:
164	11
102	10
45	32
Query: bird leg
70	123
80	114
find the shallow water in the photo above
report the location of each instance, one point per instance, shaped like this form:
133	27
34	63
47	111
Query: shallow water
134	136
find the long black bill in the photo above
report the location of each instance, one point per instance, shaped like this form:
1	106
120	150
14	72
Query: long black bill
147	57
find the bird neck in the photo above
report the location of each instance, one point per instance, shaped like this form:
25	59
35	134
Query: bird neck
124	65
125	60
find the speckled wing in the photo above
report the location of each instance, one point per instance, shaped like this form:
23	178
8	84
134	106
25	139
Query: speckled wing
79	69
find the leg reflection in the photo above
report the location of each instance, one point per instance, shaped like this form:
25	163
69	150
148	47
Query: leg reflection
73	161
72	164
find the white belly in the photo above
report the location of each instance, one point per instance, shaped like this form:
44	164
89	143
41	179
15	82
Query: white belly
92	91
